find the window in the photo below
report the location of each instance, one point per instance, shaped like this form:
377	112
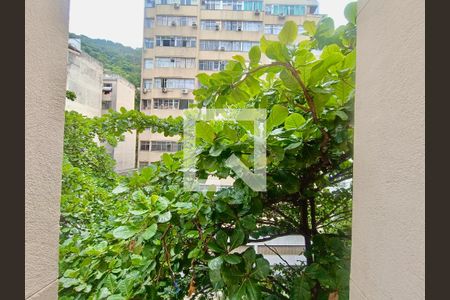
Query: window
175	62
106	104
287	10
181	2
165	103
184	103
143	164
149	43
149	3
212	65
147	84
272	28
209	24
145	146
235	46
146	103
301	29
233	5
174	83
166	146
162	20
149	22
148	63
241	26
176	41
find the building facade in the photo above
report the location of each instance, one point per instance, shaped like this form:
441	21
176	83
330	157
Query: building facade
118	93
185	37
85	79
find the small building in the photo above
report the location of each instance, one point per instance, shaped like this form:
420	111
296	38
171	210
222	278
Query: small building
117	92
85	79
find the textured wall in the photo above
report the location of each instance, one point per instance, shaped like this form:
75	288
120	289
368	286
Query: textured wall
85	79
46	33
389	194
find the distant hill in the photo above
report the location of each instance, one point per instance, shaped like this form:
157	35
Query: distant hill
115	57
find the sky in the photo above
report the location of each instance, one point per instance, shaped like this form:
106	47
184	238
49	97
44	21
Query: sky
122	20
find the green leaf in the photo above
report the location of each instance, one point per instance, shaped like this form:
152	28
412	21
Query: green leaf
124	232
237	239
165	217
232	259
325	27
203	78
301	289
288	33
277	117
215	263
221	239
255	55
341	115
310	27
289	81
249	257
194	253
277	52
116	297
204	131
294	121
150	232
262	269
350	12
120	189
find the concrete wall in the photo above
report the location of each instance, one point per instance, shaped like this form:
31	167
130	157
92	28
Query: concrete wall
46	33
122	95
388	251
85	78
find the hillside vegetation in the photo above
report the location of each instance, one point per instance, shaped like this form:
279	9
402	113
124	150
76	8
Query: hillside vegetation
115	57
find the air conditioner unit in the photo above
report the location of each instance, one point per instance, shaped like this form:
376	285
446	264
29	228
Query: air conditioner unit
281	16
173	23
194	25
217	27
145	91
222	48
164	90
239	28
176	5
172	59
185	91
257	12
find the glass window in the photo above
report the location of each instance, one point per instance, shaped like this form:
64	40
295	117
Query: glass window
146	104
149	3
181	2
175	62
106	104
166	146
288	10
148	63
163	20
212	65
147	84
149	22
174	83
272	28
235	46
148	43
145	146
209	25
176	41
232	5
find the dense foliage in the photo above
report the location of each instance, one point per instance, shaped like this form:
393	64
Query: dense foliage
144	237
115	57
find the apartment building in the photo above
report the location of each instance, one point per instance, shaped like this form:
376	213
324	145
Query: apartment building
117	92
185	37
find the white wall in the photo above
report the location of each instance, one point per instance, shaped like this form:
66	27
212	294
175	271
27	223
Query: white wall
388	251
46	34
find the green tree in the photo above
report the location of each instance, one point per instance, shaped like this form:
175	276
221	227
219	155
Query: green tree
144	237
